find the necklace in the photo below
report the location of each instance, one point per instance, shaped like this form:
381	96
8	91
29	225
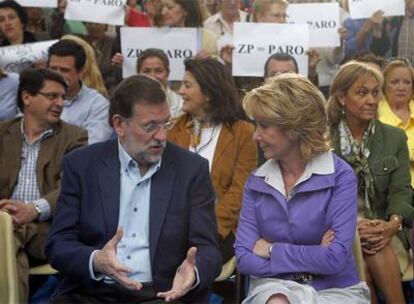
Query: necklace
212	136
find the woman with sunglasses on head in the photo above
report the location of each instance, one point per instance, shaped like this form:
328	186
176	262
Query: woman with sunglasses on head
378	154
213	127
397	107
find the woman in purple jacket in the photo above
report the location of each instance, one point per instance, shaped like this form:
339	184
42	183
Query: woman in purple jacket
298	218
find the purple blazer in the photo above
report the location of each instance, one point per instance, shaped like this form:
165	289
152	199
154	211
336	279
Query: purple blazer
325	200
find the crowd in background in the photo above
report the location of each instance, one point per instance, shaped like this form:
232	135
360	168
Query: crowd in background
348	127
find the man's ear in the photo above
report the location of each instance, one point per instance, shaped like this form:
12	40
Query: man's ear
119	124
27	98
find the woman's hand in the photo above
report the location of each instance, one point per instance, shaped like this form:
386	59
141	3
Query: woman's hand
376	234
328	238
262	248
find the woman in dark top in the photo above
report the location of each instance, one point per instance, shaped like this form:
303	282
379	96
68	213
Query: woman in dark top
13	21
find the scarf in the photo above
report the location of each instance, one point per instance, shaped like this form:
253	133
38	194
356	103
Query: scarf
356	154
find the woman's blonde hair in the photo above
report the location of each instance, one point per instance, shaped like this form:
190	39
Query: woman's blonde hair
397	63
92	76
293	104
262	6
342	81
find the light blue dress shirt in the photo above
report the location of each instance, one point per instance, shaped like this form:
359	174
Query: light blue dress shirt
89	110
133	249
8	96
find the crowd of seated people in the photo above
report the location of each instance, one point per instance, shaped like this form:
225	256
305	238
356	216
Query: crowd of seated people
141	188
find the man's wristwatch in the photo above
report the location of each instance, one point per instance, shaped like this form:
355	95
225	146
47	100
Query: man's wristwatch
38	210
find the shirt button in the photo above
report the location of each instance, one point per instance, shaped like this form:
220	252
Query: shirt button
128	257
134	235
385	169
135	209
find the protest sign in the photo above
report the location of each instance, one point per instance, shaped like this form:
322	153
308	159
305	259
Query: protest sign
178	43
98	11
38	3
255	42
15	58
322	19
360	9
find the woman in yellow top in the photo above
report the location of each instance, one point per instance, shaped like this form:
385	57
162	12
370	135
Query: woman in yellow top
397	107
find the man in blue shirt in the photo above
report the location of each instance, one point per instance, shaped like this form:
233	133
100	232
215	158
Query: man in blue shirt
84	106
135	220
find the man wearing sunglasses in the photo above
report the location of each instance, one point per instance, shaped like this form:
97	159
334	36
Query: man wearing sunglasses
31	151
135	220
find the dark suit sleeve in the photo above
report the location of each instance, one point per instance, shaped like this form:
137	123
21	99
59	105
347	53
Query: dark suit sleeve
64	249
78	139
203	229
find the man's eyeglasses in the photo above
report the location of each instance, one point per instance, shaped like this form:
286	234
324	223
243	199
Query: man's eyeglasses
52	95
153	127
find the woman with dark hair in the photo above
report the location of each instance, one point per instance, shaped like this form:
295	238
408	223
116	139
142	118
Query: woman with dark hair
213	127
181	13
13	21
184	13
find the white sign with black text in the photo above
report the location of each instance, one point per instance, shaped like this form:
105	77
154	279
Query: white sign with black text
322	19
360	9
255	42
178	43
38	3
15	58
98	11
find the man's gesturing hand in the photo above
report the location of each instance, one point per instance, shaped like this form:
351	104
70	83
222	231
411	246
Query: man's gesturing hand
184	278
105	262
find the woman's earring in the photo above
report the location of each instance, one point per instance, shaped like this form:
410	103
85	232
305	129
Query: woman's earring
343	110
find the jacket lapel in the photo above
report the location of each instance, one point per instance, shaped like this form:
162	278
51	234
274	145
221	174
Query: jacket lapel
376	147
161	192
109	183
225	139
47	149
181	133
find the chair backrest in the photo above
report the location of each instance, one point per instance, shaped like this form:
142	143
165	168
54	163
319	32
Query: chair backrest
8	266
359	259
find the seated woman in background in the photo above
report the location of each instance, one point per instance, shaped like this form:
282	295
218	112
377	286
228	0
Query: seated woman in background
379	156
213	127
397	109
298	218
154	63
